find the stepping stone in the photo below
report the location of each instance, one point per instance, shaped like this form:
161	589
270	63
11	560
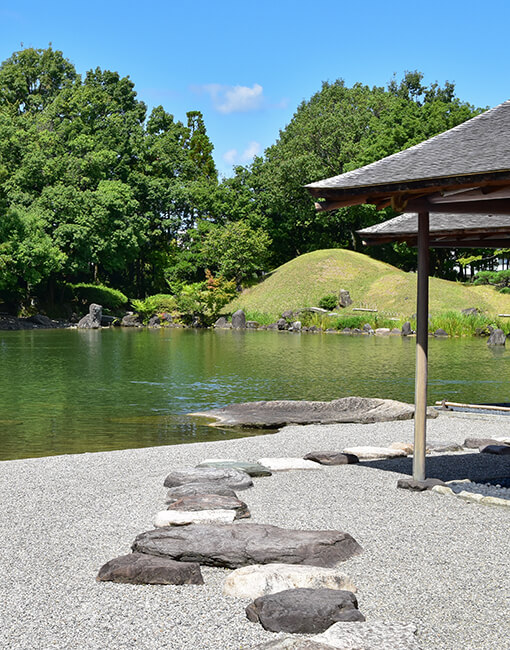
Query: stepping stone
375	453
408	447
190	489
142	569
253	469
244	543
476	443
331	458
284	464
263	579
180	518
443	447
374	635
304	611
419	486
211	502
498	450
232	478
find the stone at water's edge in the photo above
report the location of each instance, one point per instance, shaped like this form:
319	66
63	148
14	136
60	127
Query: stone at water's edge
407	329
131	320
242	544
181	518
142	569
231	478
263	579
190	489
497	337
373	635
275	414
331	458
198	502
238	319
253	469
93	319
304	611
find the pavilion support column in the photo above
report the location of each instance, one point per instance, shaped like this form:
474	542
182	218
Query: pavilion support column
422	335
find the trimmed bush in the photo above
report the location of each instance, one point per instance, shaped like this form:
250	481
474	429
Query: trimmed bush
105	296
156	304
328	302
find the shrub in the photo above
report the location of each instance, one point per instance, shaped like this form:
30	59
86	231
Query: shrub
328	302
105	296
156	304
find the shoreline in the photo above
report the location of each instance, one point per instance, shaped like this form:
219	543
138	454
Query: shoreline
428	559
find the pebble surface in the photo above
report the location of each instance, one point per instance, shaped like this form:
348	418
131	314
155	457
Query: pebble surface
439	563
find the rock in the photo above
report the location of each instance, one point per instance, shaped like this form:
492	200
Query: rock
498	450
406	329
272	326
374	453
442	489
395	331
418	486
263	579
497	337
131	320
331	458
252	324
243	543
93	319
344	298
440	332
470	311
367	328
211	502
408	447
284	464
346	330
292	643
272	415
476	443
374	635
40	320
108	321
314	329
154	321
231	478
239	320
253	469
331	330
142	569
288	314
296	326
166	317
181	518
282	324
304	611
382	331
222	323
191	489
440	447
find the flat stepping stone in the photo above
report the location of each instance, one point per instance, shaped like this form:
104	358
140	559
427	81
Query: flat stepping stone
232	478
197	502
253	469
284	464
276	414
408	447
498	450
263	579
440	447
331	458
244	543
374	635
142	569
476	443
304	611
419	486
190	489
375	453
182	518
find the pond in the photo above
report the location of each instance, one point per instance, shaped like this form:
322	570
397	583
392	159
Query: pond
70	391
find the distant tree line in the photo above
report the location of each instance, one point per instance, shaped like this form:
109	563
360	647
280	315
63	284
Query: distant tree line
94	190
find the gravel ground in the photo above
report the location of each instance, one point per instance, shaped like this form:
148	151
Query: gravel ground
429	559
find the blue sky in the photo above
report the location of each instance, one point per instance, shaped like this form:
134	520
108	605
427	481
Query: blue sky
247	65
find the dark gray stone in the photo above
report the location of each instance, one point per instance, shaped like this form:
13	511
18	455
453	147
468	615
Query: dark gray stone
196	502
497	337
93	319
190	489
470	311
498	450
368	328
476	443
418	486
131	320
231	478
253	469
344	298
282	324
407	329
272	415
239	320
222	323
440	332
288	314
443	447
304	611
242	544
143	569
41	320
272	326
331	458
154	321
107	321
166	317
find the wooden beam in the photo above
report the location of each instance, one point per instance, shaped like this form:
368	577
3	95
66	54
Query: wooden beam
326	206
488	206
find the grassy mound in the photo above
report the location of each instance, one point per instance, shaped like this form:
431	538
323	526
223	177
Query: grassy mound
372	284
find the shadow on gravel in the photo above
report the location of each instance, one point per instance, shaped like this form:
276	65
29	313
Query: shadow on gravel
481	468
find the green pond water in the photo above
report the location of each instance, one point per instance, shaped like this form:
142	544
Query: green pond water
70	391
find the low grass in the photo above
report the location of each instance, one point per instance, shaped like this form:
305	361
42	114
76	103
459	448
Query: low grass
372	284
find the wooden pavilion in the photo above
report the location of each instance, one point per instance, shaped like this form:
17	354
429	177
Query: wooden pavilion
453	191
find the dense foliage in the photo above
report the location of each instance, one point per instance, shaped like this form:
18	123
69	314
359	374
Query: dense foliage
93	190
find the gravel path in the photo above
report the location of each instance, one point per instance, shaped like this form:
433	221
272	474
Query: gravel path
432	560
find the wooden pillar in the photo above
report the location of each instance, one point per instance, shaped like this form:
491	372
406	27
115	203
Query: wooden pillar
422	318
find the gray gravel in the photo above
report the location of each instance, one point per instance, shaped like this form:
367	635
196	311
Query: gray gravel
438	562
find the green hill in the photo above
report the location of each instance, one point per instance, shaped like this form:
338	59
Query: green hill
371	283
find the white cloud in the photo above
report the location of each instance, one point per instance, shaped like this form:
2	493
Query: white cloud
233	157
235	99
230	156
251	150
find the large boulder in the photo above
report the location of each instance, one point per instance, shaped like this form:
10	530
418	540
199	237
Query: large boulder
242	544
231	478
407	330
263	579
272	415
304	611
344	298
222	323
132	320
142	569
190	489
211	502
93	319
497	337
239	320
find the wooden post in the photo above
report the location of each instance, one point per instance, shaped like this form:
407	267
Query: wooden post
422	334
